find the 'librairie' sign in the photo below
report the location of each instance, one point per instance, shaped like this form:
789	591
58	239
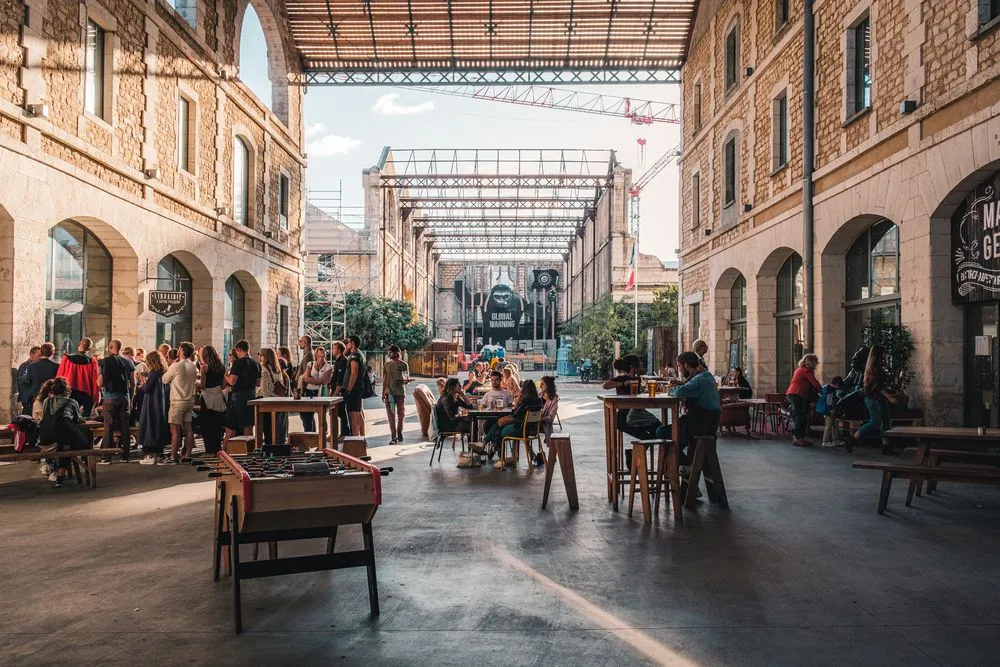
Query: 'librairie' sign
167	303
975	245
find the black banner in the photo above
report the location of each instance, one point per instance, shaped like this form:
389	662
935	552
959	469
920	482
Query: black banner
166	303
502	314
975	243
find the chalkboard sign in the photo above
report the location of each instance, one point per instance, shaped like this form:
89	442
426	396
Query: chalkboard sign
975	245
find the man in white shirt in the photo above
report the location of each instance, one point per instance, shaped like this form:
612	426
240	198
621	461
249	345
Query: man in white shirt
495	394
182	377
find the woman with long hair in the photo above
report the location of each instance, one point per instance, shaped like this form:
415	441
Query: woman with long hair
449	419
549	411
271	375
212	416
799	395
877	399
509	382
60	426
154	432
314	381
285	360
513	425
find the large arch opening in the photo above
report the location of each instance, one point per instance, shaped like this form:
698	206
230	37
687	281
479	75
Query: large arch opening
260	56
242	313
730	339
779	293
182	271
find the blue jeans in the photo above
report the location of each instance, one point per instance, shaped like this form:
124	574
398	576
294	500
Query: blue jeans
878	417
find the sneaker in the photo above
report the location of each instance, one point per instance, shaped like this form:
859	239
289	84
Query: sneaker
539	459
801	443
147	460
58	484
43	469
104	462
393	441
167	461
828	443
53	477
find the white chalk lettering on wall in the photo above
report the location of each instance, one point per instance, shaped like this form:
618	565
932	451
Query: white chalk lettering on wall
975	240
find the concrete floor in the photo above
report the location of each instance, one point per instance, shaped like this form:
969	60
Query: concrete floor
471	571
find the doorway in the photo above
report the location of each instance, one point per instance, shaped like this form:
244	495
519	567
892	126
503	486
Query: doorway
982	385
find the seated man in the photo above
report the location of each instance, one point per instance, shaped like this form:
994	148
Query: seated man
702	403
496	394
471	384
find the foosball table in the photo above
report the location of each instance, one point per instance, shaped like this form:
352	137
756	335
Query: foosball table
271	499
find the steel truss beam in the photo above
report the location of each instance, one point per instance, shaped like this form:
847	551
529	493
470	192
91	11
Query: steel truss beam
494	203
488	182
456	77
564	235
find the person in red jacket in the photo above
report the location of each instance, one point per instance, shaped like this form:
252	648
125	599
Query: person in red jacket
799	392
81	371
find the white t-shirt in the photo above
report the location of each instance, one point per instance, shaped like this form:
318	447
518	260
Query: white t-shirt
493	395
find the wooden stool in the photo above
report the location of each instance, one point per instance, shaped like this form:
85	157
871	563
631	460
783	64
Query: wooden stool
240	444
356	446
561	450
301	441
706	457
640	470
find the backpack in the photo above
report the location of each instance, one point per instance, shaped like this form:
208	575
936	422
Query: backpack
823	404
367	382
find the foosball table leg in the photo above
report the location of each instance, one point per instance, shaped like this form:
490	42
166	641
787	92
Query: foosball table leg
220	518
366	531
234	550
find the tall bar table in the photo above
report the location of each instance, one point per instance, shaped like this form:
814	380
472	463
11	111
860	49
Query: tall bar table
318	405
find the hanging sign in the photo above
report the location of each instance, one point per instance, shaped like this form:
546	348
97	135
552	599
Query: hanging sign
167	303
975	241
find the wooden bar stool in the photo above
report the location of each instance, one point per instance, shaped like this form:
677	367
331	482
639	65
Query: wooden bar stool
561	451
355	445
653	479
706	458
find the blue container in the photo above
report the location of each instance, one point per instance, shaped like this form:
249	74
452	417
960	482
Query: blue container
564	366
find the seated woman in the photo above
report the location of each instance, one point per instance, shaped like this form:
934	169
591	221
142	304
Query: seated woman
737	379
472	383
449	419
513	425
549	411
60	426
509	382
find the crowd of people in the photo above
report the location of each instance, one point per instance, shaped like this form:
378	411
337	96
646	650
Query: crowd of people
157	395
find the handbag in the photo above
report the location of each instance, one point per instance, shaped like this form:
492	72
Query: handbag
280	388
213	399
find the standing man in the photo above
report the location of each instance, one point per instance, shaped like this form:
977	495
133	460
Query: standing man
337	385
81	371
182	377
41	371
352	387
116	379
396	374
242	378
23	397
701	349
305	358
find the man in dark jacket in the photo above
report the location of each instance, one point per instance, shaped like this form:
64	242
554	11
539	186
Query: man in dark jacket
40	372
23	397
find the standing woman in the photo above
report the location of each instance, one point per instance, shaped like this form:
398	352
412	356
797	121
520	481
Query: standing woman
799	392
213	403
397	374
154	433
270	376
285	361
315	377
877	399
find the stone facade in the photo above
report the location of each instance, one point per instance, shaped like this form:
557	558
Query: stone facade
118	174
911	169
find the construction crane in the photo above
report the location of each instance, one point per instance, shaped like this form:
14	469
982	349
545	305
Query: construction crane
634	192
640	112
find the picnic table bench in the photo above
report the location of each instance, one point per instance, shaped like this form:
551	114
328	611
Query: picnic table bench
920	473
89	456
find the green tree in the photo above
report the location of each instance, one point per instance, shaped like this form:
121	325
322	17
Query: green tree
605	321
664	307
377	321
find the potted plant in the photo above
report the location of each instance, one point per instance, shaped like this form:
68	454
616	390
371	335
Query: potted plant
897	342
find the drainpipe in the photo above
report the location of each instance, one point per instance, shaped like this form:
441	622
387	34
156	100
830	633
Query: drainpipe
808	160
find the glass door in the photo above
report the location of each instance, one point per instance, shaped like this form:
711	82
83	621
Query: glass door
982	385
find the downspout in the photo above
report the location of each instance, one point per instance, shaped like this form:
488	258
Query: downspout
808	162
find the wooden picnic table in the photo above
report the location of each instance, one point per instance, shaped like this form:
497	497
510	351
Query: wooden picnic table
669	407
318	405
942	437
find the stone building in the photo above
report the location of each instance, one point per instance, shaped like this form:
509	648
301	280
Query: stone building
907	150
132	160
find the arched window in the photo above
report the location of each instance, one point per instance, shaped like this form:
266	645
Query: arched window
188	10
234	321
788	319
77	289
253	57
172	276
738	323
241	181
872	280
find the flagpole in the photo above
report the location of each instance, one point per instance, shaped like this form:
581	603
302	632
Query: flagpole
635	293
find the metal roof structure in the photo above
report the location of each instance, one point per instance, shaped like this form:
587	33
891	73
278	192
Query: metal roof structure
439	42
518	203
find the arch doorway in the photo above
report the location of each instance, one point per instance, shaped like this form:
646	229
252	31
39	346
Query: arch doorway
234	325
872	289
173	276
78	289
788	319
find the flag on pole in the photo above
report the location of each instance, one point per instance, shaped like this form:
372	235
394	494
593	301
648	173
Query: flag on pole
631	270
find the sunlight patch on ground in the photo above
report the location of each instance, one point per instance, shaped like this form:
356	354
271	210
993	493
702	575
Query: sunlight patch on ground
652	649
148	502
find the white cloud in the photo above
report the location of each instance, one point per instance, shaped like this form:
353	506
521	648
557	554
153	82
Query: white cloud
331	144
313	130
388	105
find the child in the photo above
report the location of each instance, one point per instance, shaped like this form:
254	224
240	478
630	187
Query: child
826	406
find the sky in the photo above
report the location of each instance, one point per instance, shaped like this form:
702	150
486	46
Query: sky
348	126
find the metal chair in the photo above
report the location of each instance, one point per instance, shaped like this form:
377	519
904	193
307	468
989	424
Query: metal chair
529	432
440	418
